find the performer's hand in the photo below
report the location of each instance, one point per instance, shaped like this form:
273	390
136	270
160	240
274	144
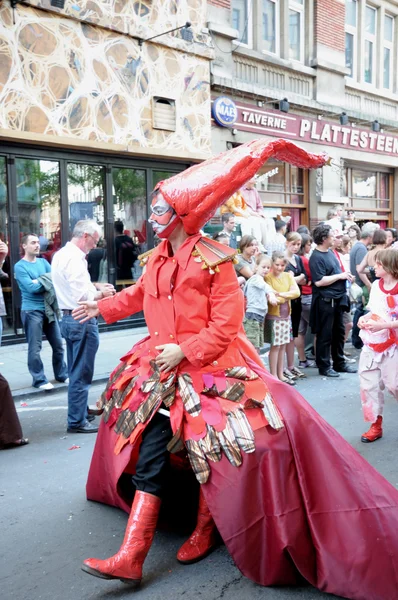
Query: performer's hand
374	326
171	355
86	311
361	321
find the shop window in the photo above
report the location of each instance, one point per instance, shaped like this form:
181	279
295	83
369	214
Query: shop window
164	114
283	190
38	198
130	218
370	193
86	193
5	271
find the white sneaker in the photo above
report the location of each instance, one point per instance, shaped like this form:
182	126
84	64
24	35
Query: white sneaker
66	381
46	387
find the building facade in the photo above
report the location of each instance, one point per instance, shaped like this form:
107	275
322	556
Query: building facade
92	116
324	74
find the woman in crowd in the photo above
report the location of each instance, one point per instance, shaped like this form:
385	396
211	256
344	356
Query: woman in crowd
277	329
366	270
248	247
354	233
306	299
10	427
295	266
244	268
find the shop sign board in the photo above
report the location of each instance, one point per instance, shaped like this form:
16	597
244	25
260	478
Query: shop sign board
301	128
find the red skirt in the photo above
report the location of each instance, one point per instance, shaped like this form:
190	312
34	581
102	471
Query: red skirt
304	504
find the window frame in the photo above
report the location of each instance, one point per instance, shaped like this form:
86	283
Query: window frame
249	28
390	46
372	39
277	29
299	7
353	30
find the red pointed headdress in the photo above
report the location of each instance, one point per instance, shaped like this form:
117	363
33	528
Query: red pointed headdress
195	194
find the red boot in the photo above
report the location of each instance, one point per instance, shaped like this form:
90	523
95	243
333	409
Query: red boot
127	563
202	540
375	432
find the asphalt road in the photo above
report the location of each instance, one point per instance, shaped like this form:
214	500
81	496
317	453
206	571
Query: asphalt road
47	527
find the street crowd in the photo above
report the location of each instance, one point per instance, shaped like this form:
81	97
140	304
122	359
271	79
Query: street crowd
310	292
305	294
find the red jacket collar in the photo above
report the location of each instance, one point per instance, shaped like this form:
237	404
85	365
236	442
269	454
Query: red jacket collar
183	253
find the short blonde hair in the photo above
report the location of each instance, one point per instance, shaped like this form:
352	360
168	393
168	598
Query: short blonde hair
277	255
293	236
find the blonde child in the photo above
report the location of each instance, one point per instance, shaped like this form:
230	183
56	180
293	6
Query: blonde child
277	330
378	364
258	294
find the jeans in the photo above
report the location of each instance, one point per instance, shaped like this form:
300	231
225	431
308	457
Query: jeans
35	324
82	341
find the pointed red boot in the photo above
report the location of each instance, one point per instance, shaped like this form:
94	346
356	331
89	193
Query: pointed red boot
375	432
126	565
202	540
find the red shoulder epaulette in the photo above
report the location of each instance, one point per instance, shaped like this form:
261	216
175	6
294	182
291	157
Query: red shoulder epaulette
212	253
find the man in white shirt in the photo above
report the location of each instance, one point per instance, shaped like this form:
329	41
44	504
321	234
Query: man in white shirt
72	284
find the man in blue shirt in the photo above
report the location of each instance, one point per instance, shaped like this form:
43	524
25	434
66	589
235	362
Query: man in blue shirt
27	272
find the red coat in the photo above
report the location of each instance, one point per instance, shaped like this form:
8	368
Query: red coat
303	503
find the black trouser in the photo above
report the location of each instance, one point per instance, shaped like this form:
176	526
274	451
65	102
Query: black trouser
356	340
153	459
330	335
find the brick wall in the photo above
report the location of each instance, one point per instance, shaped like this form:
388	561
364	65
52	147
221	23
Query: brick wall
329	23
221	3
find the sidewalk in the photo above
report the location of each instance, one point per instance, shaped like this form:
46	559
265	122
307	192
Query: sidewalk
113	345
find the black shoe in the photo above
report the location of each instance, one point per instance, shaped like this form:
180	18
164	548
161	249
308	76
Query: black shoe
93	410
86	428
329	373
90	418
347	369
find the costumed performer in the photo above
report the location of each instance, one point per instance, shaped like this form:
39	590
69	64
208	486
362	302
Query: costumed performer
289	496
379	332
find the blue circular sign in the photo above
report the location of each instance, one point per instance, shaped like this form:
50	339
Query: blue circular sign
224	111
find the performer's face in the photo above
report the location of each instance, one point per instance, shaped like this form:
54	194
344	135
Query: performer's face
163	218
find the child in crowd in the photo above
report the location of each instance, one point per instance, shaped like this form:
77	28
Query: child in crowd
294	264
306	300
379	332
258	294
277	329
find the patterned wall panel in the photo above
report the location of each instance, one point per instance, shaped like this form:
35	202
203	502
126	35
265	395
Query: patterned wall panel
60	77
133	16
